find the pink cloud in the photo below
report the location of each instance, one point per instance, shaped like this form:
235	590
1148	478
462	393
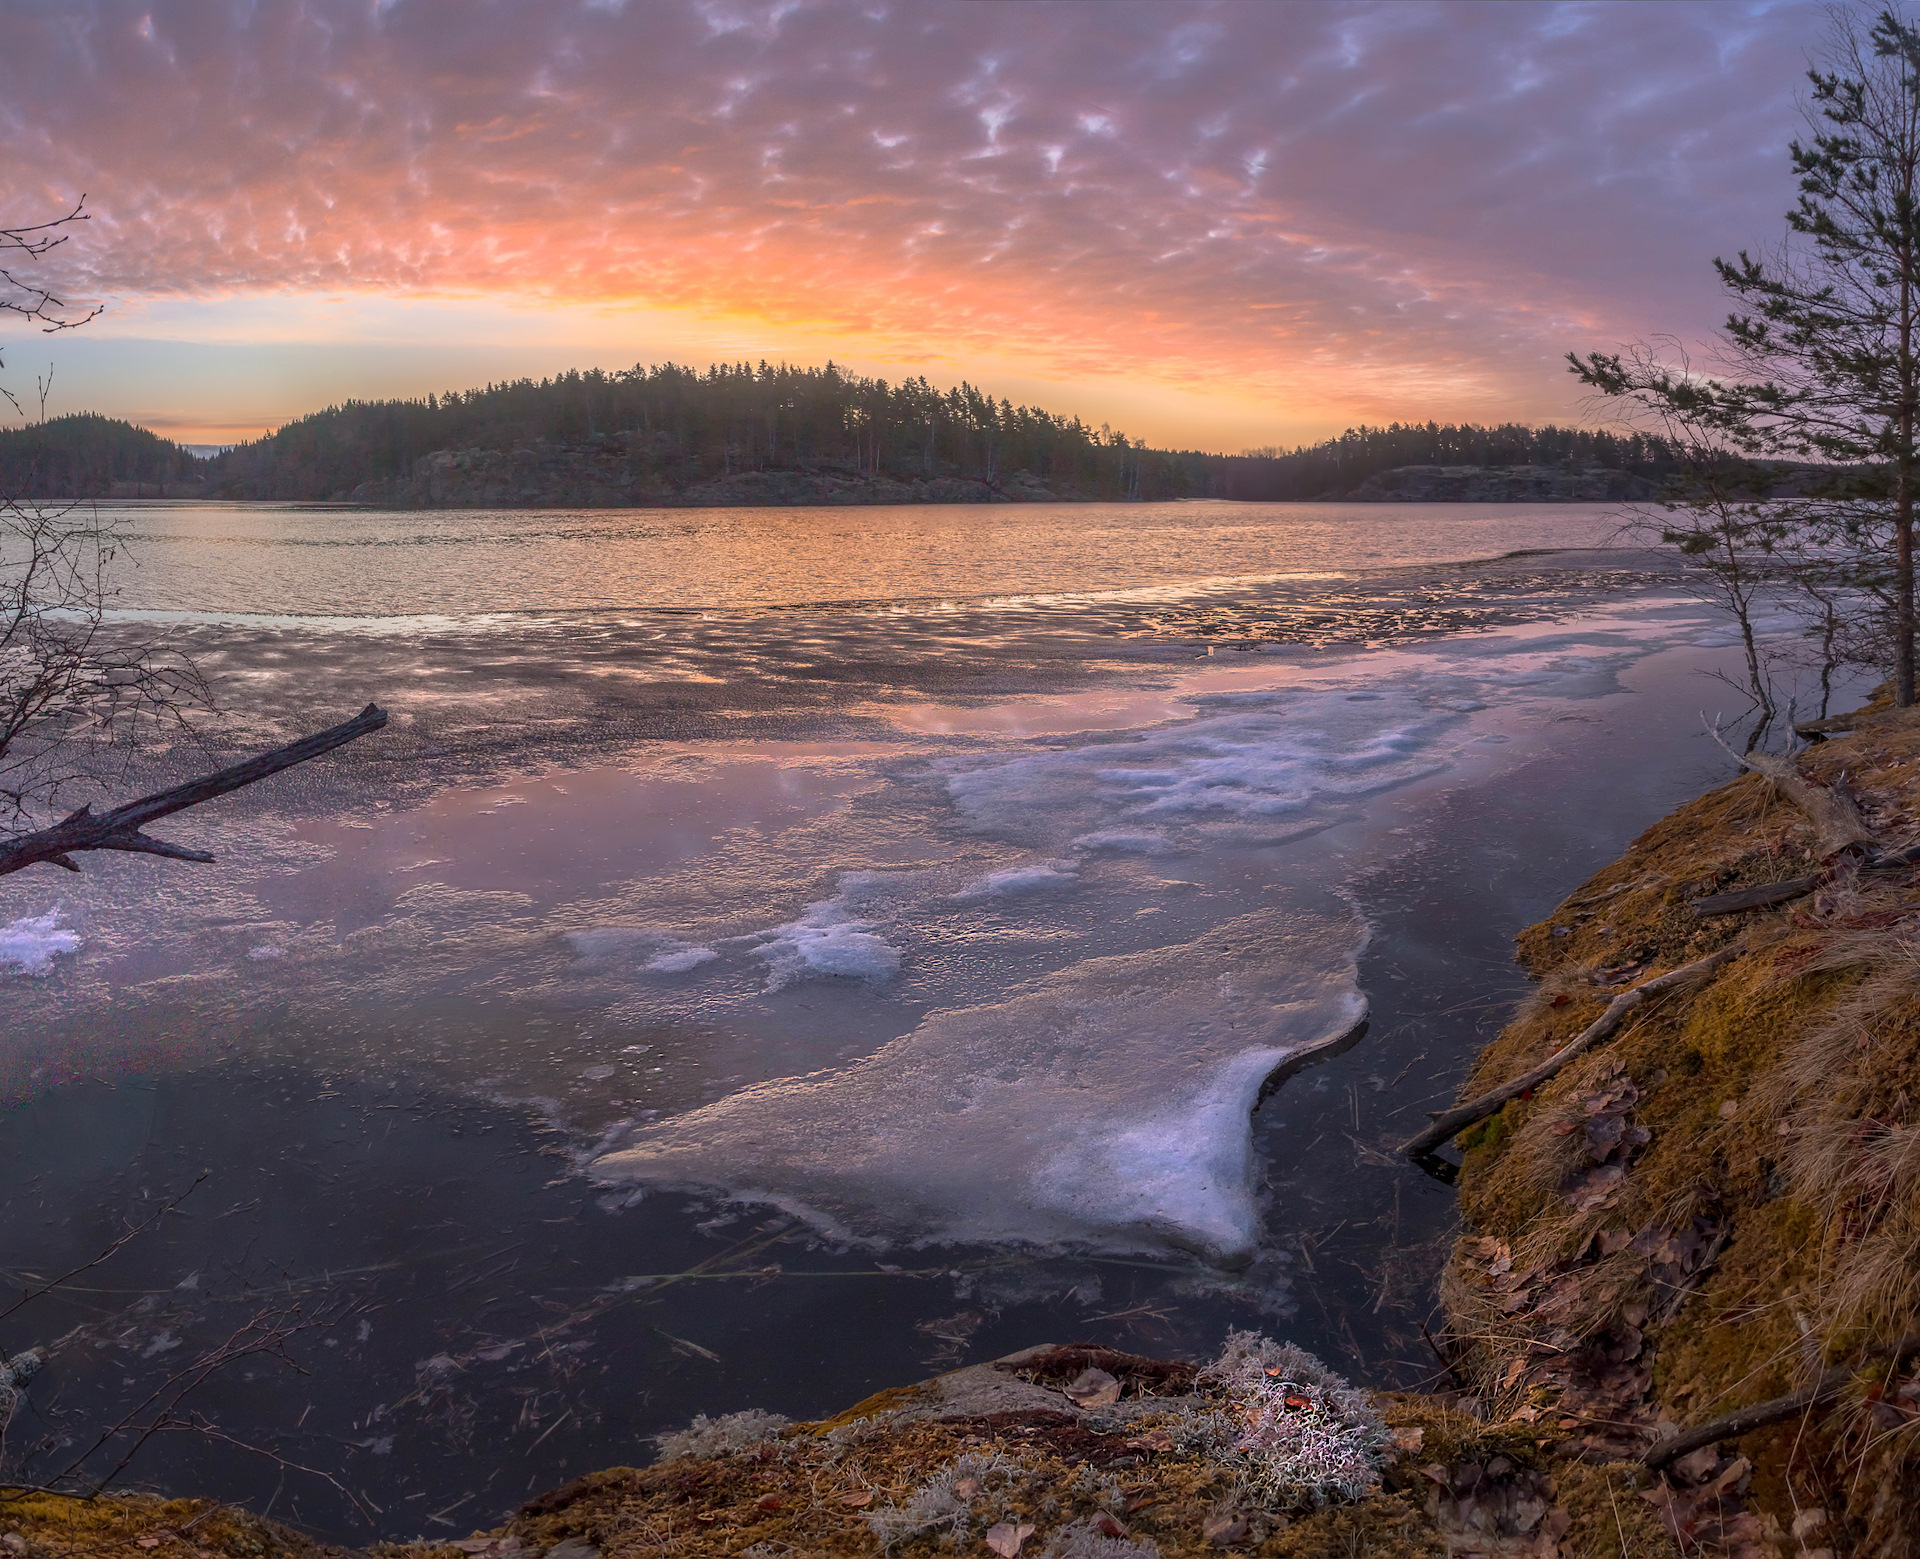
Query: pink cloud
1368	210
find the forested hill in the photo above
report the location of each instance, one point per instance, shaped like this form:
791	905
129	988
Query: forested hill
1360	461
777	434
88	456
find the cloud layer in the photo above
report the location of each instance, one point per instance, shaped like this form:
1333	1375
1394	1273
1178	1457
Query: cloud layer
1338	211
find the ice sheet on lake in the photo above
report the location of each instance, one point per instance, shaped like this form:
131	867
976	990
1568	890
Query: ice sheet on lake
30	945
1107	1103
1265	764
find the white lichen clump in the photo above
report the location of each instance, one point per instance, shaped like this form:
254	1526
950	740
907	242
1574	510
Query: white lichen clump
1303	1437
706	1438
970	1490
1083	1540
14	1375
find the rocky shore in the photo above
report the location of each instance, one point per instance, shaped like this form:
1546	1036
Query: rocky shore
1707	1220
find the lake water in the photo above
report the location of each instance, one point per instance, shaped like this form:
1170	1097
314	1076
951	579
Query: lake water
772	954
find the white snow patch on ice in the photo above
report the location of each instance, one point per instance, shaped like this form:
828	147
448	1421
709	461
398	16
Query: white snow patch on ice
833	937
680	959
660	952
1254	765
1129	841
30	945
1013	880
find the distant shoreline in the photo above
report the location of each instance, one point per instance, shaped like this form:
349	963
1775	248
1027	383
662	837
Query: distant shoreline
813	489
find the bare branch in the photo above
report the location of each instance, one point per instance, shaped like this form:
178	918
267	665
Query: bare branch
29	299
138	1229
1460	1118
120	828
1827	1384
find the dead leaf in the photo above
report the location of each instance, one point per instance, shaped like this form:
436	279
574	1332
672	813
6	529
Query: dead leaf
966	1488
148	1542
1153	1440
1408	1439
1224	1530
768	1502
1107	1524
858	1497
1005	1538
1697	1466
1093	1388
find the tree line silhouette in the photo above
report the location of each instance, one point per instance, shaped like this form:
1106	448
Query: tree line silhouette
689	427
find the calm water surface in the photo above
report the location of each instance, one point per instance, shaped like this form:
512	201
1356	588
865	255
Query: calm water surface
308	560
773	954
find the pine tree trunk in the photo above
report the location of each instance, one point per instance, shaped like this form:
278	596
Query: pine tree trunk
1903	595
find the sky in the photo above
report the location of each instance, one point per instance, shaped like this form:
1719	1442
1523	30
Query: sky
1211	223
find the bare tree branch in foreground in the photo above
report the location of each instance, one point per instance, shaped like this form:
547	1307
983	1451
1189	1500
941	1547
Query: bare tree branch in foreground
1460	1118
29	299
120	828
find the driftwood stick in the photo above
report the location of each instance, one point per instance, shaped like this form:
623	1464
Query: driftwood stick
120	828
1766	895
1602	1027
1835	815
1827	1385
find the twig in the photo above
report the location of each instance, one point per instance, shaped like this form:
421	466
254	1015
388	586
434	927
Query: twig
1695	1278
1458	1119
29	1296
1766	895
120	828
1827	1385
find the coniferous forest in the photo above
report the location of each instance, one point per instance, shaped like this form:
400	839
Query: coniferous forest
673	429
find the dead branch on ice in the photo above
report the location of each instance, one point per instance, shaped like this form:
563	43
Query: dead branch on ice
120	828
1602	1027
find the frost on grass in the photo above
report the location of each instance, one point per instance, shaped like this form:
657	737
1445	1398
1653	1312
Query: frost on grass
969	1490
1301	1436
1084	1540
706	1438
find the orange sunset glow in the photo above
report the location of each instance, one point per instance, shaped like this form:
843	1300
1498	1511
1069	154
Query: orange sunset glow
1216	224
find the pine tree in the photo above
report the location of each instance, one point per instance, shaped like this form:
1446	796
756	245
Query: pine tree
1823	344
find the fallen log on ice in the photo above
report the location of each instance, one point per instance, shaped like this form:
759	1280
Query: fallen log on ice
120	828
1462	1116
